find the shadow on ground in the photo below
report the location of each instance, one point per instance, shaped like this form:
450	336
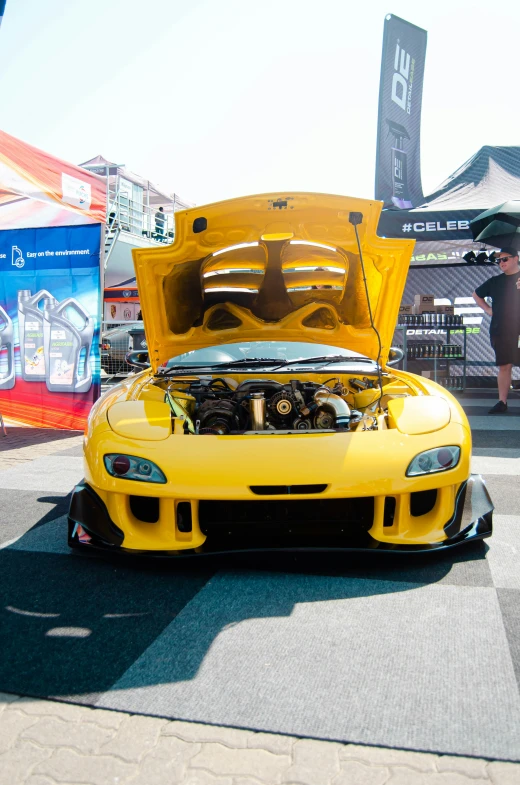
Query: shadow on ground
72	624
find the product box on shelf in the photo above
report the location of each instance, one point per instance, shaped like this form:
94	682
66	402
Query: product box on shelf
405	309
423	302
445	309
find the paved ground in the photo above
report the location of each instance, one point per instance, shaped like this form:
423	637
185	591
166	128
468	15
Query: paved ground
45	742
50	741
23	444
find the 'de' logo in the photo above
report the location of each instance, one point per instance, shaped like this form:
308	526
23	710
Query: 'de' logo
82	194
17	257
402	80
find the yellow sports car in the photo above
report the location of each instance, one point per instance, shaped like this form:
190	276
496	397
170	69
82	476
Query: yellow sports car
268	414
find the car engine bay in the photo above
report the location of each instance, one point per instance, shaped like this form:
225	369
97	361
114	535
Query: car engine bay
221	405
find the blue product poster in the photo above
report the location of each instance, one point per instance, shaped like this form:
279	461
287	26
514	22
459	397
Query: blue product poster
49	324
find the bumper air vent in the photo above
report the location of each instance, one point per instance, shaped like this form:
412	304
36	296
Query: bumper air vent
285	490
184	520
145	508
422	502
389	513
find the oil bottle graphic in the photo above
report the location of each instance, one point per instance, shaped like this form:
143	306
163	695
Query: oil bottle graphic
7	370
30	330
67	346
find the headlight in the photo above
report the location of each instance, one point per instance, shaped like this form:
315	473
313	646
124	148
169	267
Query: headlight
431	461
128	467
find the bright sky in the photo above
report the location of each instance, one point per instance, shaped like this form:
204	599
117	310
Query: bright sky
215	99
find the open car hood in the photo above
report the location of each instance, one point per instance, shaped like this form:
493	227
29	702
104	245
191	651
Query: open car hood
272	267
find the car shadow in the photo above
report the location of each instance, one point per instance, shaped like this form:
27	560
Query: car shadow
61	507
72	625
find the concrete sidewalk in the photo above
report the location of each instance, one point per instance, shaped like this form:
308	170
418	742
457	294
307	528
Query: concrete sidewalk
46	742
23	443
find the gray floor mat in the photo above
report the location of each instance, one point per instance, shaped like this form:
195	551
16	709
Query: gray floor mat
373	662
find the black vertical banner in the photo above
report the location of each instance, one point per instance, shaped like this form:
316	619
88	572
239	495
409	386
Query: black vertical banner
398	157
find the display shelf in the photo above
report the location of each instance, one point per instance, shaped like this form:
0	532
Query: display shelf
442	331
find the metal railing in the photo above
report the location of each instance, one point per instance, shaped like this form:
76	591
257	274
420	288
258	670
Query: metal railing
125	214
106	325
115	343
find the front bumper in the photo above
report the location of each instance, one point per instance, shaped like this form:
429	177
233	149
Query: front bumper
91	527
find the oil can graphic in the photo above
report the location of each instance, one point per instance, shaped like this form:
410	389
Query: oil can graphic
30	330
7	370
67	346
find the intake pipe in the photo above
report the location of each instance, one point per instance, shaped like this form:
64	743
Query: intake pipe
335	404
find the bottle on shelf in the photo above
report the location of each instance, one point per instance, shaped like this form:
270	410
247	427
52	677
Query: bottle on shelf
453	383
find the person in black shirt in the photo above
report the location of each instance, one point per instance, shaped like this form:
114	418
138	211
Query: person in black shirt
160	220
504	333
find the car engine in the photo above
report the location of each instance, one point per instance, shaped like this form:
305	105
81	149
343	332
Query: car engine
219	406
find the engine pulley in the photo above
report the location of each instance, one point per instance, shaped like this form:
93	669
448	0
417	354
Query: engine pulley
324	419
282	404
302	424
217	416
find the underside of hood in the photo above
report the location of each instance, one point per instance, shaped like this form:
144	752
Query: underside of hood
273	267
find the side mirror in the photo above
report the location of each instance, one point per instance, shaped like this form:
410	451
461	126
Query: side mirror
395	355
138	359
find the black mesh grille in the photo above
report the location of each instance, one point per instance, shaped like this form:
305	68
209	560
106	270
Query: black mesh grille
279	516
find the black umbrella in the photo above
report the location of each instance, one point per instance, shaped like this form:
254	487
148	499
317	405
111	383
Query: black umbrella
499	226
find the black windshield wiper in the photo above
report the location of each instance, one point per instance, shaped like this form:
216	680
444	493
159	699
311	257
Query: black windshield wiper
259	362
327	359
245	363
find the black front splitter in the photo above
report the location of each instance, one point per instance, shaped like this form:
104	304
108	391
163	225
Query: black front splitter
473	504
479	530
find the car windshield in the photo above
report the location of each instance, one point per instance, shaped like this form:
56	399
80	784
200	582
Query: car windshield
256	352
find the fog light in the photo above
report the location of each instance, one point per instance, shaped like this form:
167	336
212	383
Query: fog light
438	460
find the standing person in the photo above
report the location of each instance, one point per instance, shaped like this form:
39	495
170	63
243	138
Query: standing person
160	220
504	332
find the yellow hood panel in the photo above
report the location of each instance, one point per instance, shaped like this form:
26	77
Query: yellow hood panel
272	267
423	414
148	420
